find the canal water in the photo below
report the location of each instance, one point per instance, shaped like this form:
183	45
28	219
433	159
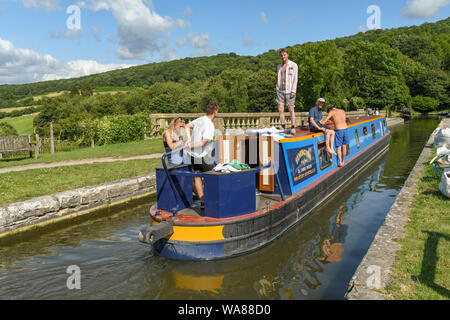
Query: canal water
314	260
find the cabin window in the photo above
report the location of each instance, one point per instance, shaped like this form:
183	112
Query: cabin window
381	129
325	158
365	131
357	138
374	133
347	149
384	122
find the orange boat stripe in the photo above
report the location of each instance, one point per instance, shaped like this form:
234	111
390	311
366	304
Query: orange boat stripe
204	233
200	233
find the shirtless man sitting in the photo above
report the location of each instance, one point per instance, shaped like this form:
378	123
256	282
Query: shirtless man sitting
341	132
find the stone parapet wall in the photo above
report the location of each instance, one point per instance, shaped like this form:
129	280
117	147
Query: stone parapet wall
42	209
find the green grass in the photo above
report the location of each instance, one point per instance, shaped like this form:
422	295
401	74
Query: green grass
23	124
23	185
110	88
422	270
120	150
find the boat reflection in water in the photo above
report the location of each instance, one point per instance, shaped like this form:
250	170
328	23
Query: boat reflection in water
317	254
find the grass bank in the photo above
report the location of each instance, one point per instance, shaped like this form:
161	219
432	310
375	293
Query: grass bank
422	269
23	185
23	124
120	150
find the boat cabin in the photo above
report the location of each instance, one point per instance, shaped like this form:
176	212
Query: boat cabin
279	168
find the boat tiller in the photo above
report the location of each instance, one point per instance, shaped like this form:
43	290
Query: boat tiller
152	234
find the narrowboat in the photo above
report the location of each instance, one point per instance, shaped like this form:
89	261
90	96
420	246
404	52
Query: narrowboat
246	210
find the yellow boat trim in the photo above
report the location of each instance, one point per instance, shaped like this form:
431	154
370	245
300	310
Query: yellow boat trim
321	134
302	138
356	124
194	234
181	233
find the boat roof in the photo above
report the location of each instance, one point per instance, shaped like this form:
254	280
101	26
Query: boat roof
303	133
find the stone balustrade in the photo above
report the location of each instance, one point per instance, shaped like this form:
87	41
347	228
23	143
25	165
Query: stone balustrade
232	121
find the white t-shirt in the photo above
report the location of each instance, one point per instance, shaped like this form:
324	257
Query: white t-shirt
202	129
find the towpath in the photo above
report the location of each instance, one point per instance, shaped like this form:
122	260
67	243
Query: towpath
77	162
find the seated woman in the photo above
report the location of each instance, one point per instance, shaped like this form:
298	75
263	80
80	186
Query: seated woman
173	142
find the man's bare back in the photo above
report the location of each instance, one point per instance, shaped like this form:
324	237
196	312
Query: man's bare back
338	117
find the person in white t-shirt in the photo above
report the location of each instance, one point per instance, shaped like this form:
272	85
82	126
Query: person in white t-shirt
200	144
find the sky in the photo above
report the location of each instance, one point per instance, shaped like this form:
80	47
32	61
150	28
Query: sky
53	39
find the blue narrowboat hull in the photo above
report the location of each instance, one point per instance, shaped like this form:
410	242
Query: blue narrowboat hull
306	180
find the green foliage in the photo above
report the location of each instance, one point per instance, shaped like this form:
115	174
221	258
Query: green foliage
320	71
424	104
74	91
7	130
86	90
105	130
262	92
356	103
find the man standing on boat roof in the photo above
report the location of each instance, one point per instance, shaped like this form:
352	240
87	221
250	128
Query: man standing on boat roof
340	127
287	88
201	143
315	124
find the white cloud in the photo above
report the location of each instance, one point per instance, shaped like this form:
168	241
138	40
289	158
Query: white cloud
248	42
141	30
263	17
67	34
181	23
188	12
424	8
48	5
194	41
78	68
96	33
361	29
25	66
200	42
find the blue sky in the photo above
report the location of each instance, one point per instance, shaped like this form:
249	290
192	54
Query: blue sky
36	43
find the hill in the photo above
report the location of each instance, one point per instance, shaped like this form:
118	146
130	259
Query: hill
390	69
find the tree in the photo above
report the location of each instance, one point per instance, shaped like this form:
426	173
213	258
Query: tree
7	129
424	104
374	72
86	90
320	71
74	91
262	92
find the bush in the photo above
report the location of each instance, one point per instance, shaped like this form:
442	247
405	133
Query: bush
7	130
112	129
356	103
424	104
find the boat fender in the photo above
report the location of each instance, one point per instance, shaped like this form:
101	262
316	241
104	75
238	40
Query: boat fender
152	234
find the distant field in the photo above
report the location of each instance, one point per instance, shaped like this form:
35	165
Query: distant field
23	124
111	89
15	109
49	95
99	90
